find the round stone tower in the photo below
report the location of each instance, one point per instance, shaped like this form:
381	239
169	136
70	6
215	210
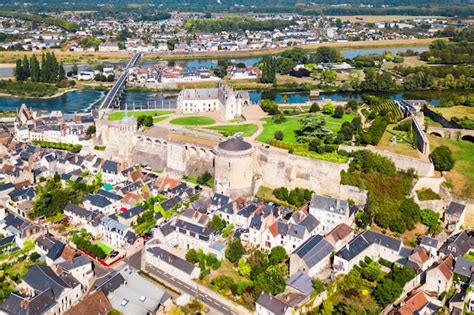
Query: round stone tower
234	168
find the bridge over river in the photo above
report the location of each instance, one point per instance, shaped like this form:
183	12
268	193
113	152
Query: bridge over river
112	98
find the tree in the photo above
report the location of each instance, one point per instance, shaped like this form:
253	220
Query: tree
61	72
326	54
387	292
442	158
314	108
328	108
191	256
35	69
329	76
277	255
269	106
268	69
284	65
279	135
318	286
216	223
244	267
338	112
171	43
222	283
271	281
234	250
91	130
75	69
204	178
430	218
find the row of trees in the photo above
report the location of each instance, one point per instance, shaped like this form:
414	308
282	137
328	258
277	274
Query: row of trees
49	70
234	24
296	197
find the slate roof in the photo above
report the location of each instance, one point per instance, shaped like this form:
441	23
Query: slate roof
219	200
429	242
170	203
98	201
329	204
109	195
110	167
455	209
301	282
171	259
76	262
42	278
234	145
272	304
314	250
364	240
464	267
110	283
131	213
457	244
39	304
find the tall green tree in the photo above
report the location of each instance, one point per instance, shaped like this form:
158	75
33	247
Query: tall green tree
35	69
268	68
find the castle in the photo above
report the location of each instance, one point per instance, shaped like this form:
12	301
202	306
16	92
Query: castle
222	99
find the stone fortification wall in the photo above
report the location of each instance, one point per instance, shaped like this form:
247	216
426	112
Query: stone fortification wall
279	168
402	162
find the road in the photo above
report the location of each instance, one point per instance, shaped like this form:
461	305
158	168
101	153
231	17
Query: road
118	86
189	289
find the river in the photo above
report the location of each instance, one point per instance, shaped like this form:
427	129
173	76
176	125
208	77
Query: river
84	100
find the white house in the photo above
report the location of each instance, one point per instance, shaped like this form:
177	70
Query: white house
161	259
330	212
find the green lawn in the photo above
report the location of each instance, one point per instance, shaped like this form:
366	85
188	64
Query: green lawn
291	125
193	121
106	249
462	175
246	129
155	113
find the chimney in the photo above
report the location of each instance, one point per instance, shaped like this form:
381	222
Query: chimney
24	304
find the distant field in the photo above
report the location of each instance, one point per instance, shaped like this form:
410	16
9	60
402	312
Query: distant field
379	18
456	111
155	113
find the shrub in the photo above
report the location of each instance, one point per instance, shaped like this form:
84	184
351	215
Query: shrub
328	108
279	118
279	135
314	108
427	194
234	250
338	112
442	158
191	256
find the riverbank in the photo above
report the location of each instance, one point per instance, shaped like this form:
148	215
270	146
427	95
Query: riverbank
58	94
9	57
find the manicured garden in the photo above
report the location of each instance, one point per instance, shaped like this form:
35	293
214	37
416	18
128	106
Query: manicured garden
106	249
154	113
293	124
193	121
228	130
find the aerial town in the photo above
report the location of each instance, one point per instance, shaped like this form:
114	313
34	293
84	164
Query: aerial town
228	157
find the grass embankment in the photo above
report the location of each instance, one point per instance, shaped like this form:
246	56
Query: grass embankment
461	177
193	121
292	124
228	130
156	114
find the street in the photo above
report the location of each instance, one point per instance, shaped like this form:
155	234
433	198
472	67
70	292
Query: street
215	305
